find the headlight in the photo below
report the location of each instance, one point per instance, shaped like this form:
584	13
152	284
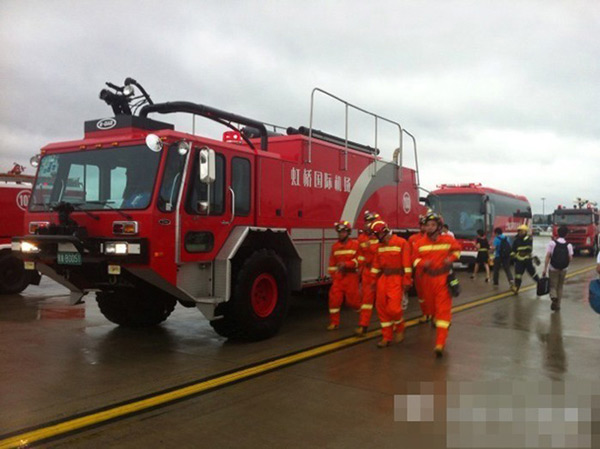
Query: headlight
27	247
121	248
125	227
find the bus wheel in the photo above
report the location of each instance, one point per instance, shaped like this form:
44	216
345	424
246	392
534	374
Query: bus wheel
129	308
259	300
13	276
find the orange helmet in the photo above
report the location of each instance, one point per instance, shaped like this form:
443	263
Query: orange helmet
343	226
380	227
371	216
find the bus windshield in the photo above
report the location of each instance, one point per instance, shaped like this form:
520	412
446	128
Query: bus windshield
573	219
115	178
462	213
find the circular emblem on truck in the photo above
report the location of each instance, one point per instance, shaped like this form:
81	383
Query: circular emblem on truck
406	202
106	123
22	199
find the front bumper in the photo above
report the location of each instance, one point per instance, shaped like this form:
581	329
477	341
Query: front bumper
86	267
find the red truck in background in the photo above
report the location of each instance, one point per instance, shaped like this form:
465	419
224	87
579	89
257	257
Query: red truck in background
15	190
147	216
583	223
466	208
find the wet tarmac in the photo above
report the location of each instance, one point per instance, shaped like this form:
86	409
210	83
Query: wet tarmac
58	361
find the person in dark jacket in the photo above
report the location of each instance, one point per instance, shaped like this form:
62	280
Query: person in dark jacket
501	260
483	255
522	251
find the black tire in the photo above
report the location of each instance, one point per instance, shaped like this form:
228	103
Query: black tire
252	313
594	250
13	276
129	308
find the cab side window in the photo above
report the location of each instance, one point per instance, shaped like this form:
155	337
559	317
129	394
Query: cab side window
200	191
240	183
171	182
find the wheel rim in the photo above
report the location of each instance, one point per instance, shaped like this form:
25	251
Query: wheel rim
264	295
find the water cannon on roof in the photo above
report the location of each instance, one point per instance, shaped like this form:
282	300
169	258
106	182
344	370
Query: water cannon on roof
581	203
123	99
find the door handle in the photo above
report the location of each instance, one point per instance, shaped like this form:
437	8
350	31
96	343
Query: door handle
232	208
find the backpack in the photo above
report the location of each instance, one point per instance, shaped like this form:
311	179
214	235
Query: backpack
560	256
505	248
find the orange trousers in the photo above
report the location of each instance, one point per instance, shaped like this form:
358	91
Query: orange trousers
344	286
368	286
436	293
426	306
389	305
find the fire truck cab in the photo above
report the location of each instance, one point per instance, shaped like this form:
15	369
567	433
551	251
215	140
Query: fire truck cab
15	189
583	223
147	216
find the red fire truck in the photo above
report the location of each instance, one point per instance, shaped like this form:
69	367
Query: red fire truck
15	189
148	216
583	222
469	207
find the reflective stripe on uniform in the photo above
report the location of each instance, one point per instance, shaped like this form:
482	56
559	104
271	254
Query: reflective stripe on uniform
439	247
366	307
375	271
386	323
443	324
408	270
374	242
332	268
385	249
344	252
398	322
416	262
456	253
334	310
364	244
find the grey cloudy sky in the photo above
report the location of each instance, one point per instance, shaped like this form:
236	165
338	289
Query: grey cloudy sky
505	93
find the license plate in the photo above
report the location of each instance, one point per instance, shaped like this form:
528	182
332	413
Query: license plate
69	258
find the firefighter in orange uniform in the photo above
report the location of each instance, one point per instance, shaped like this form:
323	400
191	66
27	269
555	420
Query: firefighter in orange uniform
343	269
426	308
392	265
434	254
368	245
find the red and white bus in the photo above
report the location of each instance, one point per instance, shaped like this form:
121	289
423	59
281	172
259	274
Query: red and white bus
469	207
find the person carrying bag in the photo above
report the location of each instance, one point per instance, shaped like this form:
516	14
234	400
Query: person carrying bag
559	254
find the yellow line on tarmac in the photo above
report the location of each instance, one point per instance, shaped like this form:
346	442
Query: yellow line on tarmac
31	437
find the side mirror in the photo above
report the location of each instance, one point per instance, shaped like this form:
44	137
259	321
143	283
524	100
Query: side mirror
206	164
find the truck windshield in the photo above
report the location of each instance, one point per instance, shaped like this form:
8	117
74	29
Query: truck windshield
116	178
573	219
462	213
